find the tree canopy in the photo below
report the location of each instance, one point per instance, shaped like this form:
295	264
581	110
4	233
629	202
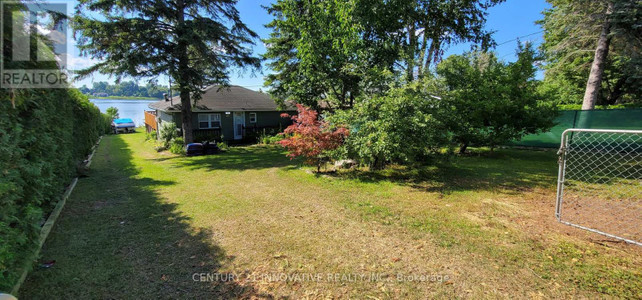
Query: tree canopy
488	102
398	126
334	51
126	89
311	137
421	31
315	50
196	42
572	30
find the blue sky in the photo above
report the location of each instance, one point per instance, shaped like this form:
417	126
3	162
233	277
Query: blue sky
509	20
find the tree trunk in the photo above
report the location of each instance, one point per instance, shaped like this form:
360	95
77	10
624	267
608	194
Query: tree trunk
434	47
412	48
422	56
377	164
462	148
597	68
183	66
186	116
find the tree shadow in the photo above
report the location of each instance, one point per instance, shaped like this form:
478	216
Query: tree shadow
510	170
239	158
117	238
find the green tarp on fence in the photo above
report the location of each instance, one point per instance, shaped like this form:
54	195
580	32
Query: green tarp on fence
593	119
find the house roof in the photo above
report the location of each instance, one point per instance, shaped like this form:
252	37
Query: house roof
224	98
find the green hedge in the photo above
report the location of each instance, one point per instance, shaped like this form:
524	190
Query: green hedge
44	135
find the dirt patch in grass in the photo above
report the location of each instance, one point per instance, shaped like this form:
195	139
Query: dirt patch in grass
540	221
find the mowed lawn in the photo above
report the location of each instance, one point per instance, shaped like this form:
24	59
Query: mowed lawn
142	224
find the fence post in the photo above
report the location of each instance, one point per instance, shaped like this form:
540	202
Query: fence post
560	175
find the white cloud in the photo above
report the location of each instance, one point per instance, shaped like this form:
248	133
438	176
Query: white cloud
78	63
56	36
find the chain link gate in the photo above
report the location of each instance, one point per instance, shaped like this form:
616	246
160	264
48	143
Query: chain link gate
599	186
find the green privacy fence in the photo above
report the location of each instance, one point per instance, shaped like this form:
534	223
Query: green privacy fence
593	119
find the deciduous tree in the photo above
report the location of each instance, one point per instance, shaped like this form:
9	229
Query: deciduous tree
489	102
112	113
397	126
314	49
422	30
334	51
311	137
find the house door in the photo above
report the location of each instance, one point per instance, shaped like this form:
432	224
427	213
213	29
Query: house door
239	122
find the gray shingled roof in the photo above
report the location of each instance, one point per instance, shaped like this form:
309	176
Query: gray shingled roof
231	98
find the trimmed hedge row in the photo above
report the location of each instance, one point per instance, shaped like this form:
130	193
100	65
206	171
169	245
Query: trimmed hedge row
44	135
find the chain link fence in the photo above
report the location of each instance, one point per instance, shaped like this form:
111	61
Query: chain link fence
600	182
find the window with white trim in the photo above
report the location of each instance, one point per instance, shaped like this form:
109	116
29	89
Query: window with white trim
252	117
207	121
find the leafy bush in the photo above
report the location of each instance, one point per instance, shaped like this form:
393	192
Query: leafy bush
107	124
488	102
398	126
151	136
267	139
206	136
44	135
112	113
274	139
311	137
223	146
176	146
167	133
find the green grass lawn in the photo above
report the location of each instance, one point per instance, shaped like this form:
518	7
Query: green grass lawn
481	226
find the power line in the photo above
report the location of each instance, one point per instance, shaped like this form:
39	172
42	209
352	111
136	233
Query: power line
519	37
513	53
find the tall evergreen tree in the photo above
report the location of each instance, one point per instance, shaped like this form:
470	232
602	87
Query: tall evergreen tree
592	51
196	42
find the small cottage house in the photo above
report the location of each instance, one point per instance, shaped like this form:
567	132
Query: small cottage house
229	113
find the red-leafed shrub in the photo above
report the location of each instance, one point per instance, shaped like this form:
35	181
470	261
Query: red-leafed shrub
311	138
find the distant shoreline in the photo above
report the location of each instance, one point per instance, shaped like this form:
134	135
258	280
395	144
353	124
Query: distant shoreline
122	98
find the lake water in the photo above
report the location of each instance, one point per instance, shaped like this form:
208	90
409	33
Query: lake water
133	109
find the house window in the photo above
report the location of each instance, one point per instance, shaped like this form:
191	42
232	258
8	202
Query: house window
207	121
252	117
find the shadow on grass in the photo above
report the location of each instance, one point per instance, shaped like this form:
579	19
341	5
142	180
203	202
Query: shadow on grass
511	170
240	158
508	169
117	239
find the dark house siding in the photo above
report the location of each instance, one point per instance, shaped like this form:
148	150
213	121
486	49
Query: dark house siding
268	120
